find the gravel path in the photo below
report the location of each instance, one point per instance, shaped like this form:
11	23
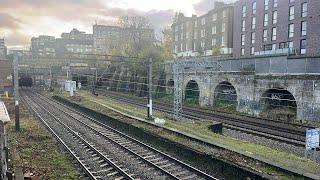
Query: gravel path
269	143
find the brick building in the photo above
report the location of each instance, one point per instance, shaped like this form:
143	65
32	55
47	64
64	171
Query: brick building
106	38
274	27
5	76
3	49
74	42
209	34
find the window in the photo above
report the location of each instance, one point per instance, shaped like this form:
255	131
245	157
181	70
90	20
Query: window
243	39
187	47
265	20
274	17
290	45
176	37
214	42
181	47
223	29
254	7
214	30
253	26
195	35
266	5
304	9
252	51
177	28
203	33
283	45
203	21
196	24
224	13
176	48
181	26
181	36
291	13
291	1
274	34
275	3
202	44
274	47
243	26
291	30
265	35
222	41
253	37
268	47
242	52
214	17
187	35
303	28
244	11
303	46
194	47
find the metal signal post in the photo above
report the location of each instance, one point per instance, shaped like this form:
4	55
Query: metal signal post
16	92
149	89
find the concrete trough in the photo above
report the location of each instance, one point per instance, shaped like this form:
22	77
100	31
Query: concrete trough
216	127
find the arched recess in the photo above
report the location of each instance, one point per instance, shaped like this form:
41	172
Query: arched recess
170	83
192	92
170	87
225	96
279	104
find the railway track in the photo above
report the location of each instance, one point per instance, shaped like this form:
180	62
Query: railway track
120	156
281	131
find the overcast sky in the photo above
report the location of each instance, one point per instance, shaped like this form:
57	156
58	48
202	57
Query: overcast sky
22	19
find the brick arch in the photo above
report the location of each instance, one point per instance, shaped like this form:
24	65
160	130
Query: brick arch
232	81
199	83
279	102
226	92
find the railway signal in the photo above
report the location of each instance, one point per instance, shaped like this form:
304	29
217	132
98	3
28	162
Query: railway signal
16	92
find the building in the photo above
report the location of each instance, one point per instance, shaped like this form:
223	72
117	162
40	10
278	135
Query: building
209	34
107	38
74	42
274	27
3	49
5	77
43	45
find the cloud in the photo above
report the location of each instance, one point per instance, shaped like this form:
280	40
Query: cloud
16	38
24	18
204	6
160	19
8	21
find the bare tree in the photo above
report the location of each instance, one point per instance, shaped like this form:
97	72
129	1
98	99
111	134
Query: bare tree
137	34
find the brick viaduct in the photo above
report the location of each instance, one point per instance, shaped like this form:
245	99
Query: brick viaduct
253	80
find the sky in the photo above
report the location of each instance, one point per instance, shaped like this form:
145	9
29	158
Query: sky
22	19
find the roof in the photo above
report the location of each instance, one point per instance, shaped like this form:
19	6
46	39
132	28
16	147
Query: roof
4	116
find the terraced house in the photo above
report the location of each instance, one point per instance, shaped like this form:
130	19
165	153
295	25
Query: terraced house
275	27
209	34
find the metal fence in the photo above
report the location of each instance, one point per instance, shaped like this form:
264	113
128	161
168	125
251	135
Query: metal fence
259	65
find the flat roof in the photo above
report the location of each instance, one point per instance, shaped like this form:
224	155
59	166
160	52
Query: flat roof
4	116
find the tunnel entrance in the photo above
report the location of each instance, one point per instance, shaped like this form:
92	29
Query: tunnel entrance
82	79
25	81
192	92
225	96
279	104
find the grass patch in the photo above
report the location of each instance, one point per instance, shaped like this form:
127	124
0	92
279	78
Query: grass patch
200	129
34	150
